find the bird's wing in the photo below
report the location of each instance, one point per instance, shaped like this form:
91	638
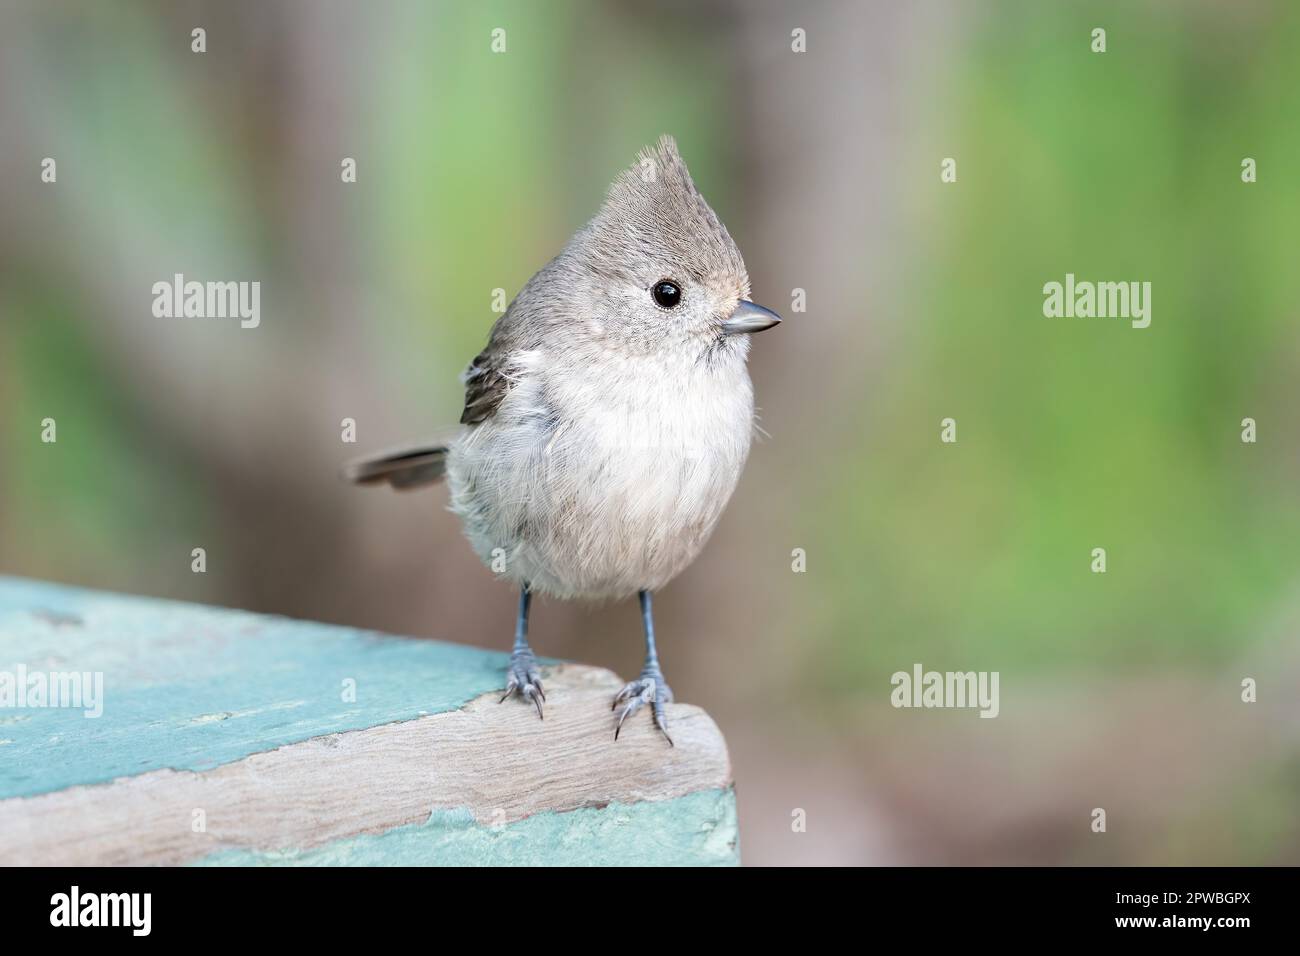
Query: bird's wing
487	380
499	366
486	383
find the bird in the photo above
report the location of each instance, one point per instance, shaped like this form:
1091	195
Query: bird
608	418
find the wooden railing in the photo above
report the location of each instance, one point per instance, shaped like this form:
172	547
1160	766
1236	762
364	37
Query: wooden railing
139	731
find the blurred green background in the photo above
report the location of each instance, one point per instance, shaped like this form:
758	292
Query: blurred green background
1118	690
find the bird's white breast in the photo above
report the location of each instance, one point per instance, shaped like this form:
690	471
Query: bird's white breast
597	482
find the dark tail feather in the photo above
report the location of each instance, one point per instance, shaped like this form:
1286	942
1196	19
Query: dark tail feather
409	468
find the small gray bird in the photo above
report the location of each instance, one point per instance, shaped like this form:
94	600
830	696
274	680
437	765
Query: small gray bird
608	419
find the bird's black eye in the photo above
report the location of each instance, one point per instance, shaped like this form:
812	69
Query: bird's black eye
666	294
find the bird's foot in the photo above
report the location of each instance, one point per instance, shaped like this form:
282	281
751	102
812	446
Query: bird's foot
650	688
522	678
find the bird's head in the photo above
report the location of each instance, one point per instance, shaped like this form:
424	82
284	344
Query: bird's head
657	268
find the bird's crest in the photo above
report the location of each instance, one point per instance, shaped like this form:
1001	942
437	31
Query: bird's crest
653	210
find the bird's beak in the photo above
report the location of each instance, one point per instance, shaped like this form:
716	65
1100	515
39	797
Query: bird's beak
749	318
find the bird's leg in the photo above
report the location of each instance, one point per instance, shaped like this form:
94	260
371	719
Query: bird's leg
522	676
650	688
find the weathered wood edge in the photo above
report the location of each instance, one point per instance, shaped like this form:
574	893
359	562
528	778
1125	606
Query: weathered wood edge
188	686
426	786
698	829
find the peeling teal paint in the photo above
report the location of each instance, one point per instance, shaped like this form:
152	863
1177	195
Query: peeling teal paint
190	687
695	830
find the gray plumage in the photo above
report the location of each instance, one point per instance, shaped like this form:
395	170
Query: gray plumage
603	432
602	435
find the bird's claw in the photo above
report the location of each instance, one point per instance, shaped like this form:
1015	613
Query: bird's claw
523	679
650	688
